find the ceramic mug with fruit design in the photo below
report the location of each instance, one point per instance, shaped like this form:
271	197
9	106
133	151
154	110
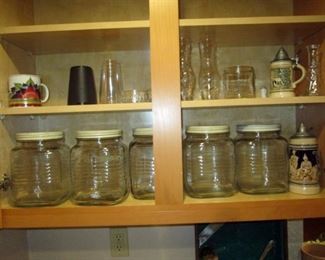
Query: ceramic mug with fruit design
27	90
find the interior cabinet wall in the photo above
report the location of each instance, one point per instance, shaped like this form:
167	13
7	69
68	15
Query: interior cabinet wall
233	8
55	70
17	12
61	11
259	57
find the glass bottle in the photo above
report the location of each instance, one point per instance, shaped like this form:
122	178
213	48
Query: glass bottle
209	78
99	168
187	73
40	172
209	162
261	159
142	167
313	70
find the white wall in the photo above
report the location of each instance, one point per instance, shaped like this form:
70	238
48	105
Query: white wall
159	243
13	245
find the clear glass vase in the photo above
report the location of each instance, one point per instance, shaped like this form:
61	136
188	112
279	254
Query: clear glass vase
187	74
209	78
313	70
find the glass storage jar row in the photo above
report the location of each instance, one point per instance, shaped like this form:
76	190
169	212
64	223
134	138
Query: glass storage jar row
41	164
215	166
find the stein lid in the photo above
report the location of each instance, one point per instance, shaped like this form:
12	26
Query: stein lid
302	137
259	128
94	134
142	131
281	55
213	129
36	136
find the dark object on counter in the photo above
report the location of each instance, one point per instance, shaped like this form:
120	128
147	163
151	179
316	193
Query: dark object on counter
81	86
244	240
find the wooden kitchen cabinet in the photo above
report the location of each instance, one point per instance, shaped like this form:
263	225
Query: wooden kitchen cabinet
47	37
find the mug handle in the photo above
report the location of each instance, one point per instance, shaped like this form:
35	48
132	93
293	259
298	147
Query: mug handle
45	92
303	74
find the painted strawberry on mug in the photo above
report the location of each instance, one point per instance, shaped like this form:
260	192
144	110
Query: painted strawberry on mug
31	92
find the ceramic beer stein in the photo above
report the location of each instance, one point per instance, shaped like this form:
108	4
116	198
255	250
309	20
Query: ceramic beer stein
282	70
304	163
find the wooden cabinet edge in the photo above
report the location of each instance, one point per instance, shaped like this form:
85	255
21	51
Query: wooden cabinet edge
204	211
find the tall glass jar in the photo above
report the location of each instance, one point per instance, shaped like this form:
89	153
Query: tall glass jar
209	161
261	159
142	166
40	170
99	168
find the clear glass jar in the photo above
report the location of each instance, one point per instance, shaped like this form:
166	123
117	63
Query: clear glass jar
142	167
40	169
209	162
261	159
99	168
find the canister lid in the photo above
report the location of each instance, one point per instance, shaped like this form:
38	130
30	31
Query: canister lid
259	128
35	136
142	131
302	137
94	134
213	129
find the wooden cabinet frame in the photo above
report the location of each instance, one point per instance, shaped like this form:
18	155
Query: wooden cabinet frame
162	29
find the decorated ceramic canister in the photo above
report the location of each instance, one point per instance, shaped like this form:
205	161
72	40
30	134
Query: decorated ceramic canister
304	163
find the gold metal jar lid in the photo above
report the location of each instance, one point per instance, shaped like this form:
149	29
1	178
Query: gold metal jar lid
95	134
212	129
142	131
258	128
37	136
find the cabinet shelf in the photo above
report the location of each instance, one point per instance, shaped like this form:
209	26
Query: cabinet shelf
240	207
78	37
242	102
147	106
49	110
241	31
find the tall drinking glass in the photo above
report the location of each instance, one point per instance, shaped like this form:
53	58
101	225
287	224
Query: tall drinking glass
110	82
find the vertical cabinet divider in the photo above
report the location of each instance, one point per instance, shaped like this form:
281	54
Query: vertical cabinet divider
165	82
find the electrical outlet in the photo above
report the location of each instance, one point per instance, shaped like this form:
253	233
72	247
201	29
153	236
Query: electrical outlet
119	242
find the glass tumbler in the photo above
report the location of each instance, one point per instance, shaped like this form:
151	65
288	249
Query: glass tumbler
209	164
142	166
239	82
99	168
40	172
111	84
261	159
